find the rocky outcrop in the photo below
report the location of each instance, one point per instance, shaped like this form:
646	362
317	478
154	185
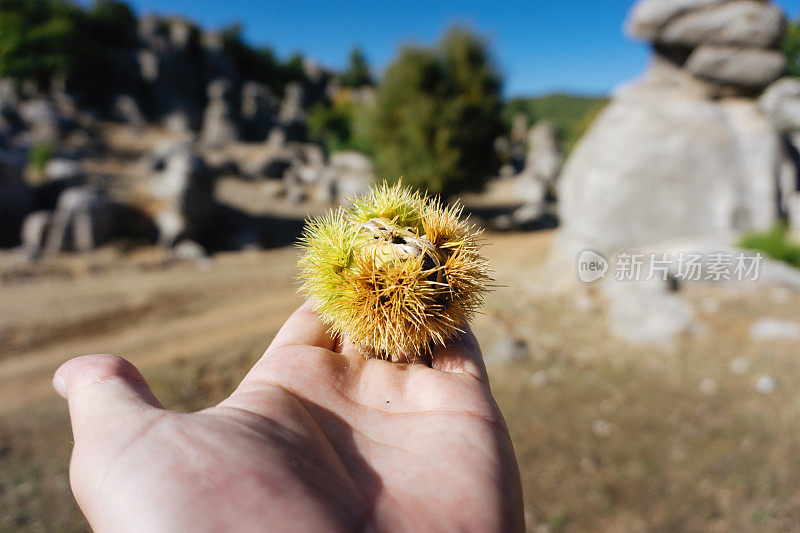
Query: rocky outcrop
732	66
292	117
219	123
661	163
781	103
731	43
352	173
683	151
182	191
257	112
84	219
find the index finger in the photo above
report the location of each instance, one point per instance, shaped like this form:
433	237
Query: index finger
303	328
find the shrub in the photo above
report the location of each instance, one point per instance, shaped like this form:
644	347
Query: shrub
775	243
437	115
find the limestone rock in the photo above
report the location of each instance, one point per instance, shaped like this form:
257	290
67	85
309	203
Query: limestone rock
126	109
781	102
353	173
219	125
34	232
60	169
746	67
183	188
41	118
256	111
291	116
648	17
544	158
83	220
660	164
745	23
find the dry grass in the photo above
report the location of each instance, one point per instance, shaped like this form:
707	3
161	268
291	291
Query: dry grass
608	437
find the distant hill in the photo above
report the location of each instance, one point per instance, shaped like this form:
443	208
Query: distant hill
572	114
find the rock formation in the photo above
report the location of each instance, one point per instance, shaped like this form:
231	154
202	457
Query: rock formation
732	43
219	123
685	150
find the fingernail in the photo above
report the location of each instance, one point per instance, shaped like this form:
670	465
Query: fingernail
60	386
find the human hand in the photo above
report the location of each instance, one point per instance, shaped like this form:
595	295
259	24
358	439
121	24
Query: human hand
315	438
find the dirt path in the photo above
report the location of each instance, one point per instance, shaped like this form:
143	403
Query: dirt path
158	316
149	318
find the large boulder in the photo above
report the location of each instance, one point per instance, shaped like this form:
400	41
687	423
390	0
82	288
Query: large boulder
739	23
661	163
730	43
648	17
182	188
41	120
781	103
751	68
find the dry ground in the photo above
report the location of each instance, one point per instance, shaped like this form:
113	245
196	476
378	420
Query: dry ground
608	437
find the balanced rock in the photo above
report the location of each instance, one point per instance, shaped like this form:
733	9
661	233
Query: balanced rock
731	43
751	68
648	17
739	23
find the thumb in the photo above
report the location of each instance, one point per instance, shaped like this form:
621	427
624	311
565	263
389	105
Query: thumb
100	389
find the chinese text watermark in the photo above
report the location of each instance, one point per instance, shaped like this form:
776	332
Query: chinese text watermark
682	266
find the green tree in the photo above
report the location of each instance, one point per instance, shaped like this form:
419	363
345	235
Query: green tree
47	40
357	73
791	47
437	115
38	39
340	126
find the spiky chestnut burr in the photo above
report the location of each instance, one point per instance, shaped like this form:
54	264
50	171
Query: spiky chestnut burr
396	273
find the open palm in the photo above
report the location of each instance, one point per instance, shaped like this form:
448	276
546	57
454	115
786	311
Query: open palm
315	438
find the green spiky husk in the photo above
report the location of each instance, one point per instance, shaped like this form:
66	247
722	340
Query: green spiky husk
400	294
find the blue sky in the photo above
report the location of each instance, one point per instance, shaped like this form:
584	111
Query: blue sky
539	45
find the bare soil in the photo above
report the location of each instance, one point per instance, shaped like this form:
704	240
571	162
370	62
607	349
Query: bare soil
608	436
